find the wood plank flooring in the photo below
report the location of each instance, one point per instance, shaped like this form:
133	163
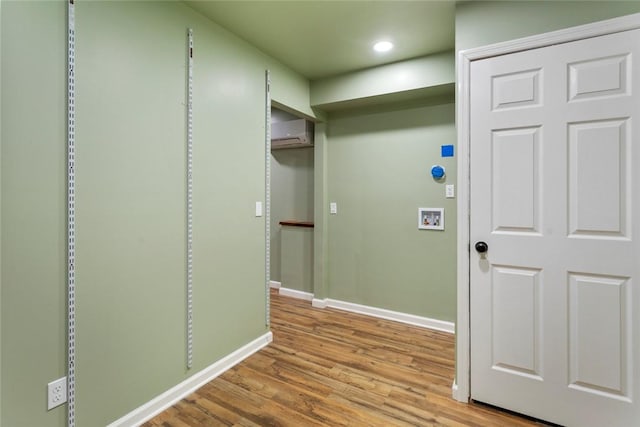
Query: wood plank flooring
326	367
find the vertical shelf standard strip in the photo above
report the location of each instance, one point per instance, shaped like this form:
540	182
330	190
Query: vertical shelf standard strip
267	195
71	213
190	201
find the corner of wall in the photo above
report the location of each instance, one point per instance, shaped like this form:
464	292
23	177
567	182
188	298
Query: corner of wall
320	203
292	96
1	214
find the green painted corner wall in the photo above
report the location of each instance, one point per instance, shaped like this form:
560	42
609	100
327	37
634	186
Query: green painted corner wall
379	175
291	198
297	258
291	90
320	213
130	201
0	214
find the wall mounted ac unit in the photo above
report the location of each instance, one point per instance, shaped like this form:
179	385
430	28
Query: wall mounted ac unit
291	134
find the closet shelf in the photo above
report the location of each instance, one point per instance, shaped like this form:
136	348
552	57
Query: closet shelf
292	223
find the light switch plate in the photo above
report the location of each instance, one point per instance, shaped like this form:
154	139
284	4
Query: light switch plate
333	208
450	191
258	208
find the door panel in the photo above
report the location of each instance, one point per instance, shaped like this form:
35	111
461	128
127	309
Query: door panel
516	197
555	324
599	77
516	317
519	89
597	200
598	318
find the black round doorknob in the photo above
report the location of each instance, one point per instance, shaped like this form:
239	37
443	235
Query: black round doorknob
482	247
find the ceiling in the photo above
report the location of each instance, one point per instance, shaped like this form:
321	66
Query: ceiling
322	38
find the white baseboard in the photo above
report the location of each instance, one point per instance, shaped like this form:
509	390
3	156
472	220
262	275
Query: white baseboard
274	284
293	293
319	303
191	384
457	394
411	319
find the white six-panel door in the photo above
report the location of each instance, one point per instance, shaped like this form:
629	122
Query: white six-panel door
554	193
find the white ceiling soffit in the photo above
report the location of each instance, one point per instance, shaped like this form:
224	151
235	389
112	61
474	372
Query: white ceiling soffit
321	38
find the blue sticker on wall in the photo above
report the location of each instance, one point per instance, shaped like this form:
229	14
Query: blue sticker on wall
446	151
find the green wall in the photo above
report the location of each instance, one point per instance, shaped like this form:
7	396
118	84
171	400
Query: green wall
379	175
371	252
320	213
429	75
130	73
297	258
291	197
0	214
480	23
33	209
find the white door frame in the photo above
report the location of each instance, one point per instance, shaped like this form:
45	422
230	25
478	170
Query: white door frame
461	386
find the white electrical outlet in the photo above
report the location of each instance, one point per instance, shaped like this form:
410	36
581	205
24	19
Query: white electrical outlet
258	208
333	208
56	393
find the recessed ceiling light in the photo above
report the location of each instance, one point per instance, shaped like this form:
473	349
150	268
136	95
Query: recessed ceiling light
383	46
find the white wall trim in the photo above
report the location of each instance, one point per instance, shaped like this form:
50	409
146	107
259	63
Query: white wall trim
191	384
319	303
294	293
411	319
275	285
462	390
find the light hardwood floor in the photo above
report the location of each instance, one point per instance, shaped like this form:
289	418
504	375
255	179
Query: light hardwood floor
326	367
